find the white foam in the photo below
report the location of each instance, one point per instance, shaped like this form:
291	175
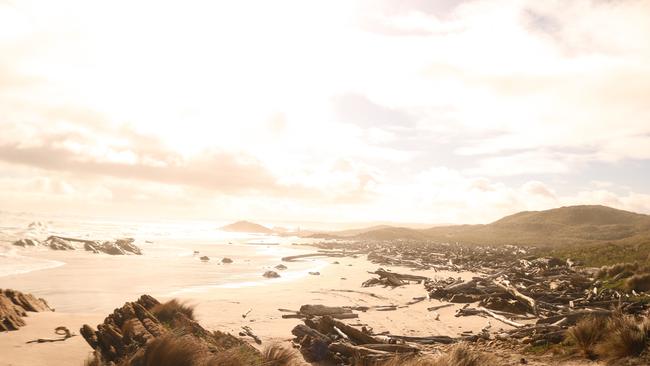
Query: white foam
14	264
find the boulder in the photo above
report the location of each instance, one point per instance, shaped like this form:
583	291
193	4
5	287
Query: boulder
226	260
205	258
281	267
271	274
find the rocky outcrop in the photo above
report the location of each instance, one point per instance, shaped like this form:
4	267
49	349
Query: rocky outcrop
27	242
139	331
14	305
117	247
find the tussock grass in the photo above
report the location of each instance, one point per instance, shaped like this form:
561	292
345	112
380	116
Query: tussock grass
171	351
638	282
459	355
626	337
611	338
587	333
165	312
279	355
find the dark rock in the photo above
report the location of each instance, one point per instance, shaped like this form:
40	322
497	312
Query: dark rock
205	258
27	242
131	332
314	273
14	305
271	274
226	260
281	267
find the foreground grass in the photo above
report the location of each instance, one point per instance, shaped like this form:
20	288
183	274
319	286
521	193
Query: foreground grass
610	338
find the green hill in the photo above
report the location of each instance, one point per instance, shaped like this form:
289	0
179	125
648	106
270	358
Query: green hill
551	228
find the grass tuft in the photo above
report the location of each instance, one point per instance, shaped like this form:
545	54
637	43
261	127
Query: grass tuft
279	355
587	333
626	337
165	312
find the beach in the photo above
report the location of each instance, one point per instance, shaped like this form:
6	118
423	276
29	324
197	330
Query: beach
85	287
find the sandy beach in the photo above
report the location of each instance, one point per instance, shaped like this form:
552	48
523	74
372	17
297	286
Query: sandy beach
87	287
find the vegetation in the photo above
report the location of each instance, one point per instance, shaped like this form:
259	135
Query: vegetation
165	312
459	355
587	333
610	338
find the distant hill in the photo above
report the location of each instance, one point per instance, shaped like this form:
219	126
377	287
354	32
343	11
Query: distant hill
246	227
555	227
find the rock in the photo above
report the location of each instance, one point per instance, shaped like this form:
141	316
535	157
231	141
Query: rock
14	305
129	333
205	258
56	243
271	274
226	260
281	267
27	242
314	273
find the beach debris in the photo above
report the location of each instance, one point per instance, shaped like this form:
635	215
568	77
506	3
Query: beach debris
205	258
131	332
271	274
61	330
226	260
293	258
323	338
280	267
246	313
14	305
387	278
249	332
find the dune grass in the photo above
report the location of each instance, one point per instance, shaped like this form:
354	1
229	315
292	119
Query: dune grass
459	355
165	312
611	338
586	334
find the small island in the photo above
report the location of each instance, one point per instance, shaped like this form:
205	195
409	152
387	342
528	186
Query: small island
246	227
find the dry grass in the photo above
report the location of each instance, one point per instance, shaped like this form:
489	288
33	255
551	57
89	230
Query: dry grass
587	333
459	355
626	337
638	282
279	355
165	312
613	270
171	351
237	356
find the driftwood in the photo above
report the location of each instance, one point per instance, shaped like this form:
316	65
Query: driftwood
249	332
63	331
424	340
482	311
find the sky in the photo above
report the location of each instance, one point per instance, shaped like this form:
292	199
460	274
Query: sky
405	111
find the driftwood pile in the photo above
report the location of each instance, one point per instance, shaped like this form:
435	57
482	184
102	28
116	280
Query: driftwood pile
14	305
324	338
